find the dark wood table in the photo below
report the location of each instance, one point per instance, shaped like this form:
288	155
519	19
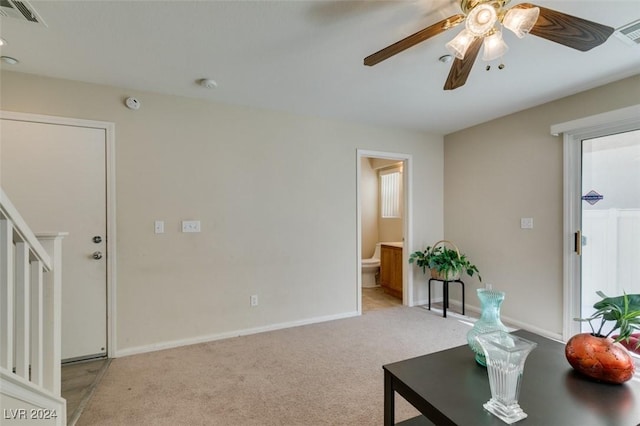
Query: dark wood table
449	388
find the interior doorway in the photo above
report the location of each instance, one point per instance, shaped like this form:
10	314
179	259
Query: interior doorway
396	227
56	171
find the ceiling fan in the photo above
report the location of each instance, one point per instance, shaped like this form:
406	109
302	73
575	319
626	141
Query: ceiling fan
483	20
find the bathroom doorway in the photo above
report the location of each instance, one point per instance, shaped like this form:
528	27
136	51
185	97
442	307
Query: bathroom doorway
383	230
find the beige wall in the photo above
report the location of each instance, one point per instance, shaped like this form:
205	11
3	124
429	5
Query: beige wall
276	194
369	207
500	171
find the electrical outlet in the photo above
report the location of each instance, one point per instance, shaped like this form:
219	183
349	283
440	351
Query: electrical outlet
158	226
190	226
254	300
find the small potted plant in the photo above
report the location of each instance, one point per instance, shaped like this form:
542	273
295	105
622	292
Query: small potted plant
599	355
444	264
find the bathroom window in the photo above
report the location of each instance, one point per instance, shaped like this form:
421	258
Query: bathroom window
390	193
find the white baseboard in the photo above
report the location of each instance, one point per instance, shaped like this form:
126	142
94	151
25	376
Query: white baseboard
523	325
433	300
507	320
228	334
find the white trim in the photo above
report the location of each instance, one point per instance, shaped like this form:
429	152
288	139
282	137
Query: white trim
53	119
509	322
571	224
407	188
439	299
529	327
513	323
596	123
110	167
229	334
574	132
358	234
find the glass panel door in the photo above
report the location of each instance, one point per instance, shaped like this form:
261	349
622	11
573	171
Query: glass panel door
610	218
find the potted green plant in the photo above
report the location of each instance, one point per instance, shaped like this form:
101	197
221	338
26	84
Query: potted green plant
444	263
599	355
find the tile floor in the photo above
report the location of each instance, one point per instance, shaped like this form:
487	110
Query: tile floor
375	298
78	383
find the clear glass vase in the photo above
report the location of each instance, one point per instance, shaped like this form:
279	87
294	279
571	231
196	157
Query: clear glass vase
505	356
490	303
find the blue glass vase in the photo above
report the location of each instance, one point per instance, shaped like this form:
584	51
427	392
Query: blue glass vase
490	302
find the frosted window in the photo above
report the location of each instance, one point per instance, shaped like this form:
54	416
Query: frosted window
390	194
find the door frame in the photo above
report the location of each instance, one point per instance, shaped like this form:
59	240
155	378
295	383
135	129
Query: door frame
574	132
407	226
110	169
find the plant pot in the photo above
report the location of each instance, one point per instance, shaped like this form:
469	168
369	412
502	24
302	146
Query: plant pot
448	276
599	358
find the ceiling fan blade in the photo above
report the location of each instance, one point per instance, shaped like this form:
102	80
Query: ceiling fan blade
413	39
462	67
568	30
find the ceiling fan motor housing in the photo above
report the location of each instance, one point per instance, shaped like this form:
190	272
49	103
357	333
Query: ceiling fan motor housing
468	5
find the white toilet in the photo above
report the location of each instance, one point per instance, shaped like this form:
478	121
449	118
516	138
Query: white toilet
371	269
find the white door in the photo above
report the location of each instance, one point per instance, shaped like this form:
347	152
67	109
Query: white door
56	177
601	190
610	211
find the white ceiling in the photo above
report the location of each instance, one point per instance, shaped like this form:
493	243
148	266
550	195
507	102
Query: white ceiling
306	57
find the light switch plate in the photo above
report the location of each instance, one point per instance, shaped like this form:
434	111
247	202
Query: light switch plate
526	223
190	226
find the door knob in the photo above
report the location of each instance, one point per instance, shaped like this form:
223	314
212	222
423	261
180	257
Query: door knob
97	239
97	255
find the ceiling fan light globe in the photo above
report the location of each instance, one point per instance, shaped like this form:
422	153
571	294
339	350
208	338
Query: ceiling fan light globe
481	19
520	21
460	44
493	47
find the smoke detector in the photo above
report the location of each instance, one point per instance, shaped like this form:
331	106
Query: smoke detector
132	103
208	83
21	10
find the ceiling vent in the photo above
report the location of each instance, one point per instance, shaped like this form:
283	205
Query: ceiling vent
19	10
630	33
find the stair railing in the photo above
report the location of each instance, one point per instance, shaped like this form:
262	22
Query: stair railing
30	303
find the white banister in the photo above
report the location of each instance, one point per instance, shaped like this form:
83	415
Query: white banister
52	314
23	303
37	323
6	293
30	312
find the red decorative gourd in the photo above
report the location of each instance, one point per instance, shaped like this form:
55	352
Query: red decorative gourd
599	358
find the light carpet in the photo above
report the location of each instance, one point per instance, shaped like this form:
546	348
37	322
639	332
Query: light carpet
320	374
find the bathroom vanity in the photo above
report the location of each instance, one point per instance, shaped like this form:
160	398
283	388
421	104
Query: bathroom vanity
391	268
